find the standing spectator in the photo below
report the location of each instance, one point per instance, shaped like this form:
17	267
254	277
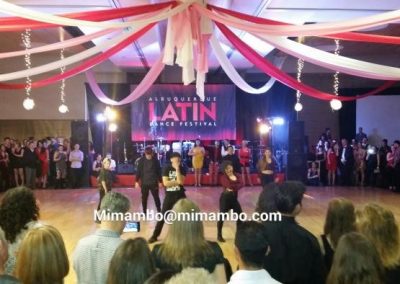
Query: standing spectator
360	155
356	261
396	164
331	164
92	255
224	148
30	161
17	163
44	158
19	213
197	153
42	257
148	178
295	255
173	177
76	159
4	168
346	163
382	154
250	248
60	160
245	157
96	166
215	158
131	263
231	157
372	166
360	135
390	172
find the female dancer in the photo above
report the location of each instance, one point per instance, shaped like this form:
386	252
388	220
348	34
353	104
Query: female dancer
231	183
197	153
105	180
244	157
44	158
18	164
266	167
331	164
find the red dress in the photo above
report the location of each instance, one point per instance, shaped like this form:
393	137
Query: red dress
244	157
44	161
332	165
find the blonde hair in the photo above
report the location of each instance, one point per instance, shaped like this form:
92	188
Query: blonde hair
340	219
380	227
192	276
185	243
42	257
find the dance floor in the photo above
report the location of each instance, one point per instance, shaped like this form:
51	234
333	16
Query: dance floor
71	211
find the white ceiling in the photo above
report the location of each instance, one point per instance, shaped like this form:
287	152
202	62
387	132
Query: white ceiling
293	11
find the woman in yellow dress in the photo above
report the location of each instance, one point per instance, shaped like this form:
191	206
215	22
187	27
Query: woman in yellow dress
197	153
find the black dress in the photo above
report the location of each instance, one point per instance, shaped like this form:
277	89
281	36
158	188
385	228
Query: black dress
104	175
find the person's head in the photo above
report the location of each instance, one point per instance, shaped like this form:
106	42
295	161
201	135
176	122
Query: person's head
289	196
267	200
60	148
227	168
185	242
360	130
2	147
98	157
198	142
7	141
340	219
42	257
175	158
230	150
314	165
327	131
117	203
392	148
225	142
344	142
356	261
251	245
396	144
148	153
18	145
31	145
216	143
244	143
364	141
18	207
380	227
76	147
132	263
384	142
106	164
161	277
192	275
108	156
267	153
39	144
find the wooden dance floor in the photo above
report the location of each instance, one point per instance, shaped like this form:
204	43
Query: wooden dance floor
71	211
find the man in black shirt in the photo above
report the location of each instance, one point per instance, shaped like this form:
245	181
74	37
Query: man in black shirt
173	177
30	161
231	157
295	256
148	174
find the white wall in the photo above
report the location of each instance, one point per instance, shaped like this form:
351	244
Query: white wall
380	117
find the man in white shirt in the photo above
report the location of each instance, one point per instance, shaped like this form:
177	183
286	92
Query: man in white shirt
76	159
250	248
93	253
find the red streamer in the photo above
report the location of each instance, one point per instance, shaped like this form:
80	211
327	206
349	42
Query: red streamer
85	65
18	23
350	36
269	69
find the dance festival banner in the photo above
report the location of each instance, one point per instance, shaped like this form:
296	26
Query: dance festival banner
175	112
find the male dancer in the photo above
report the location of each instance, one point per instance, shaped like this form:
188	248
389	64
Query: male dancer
173	177
148	174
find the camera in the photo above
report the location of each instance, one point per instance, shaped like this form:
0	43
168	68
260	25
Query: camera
132	227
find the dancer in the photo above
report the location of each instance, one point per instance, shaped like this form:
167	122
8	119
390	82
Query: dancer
266	167
148	177
105	180
197	153
228	200
244	157
173	176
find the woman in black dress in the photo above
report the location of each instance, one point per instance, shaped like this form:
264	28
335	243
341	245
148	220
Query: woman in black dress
231	183
267	167
18	164
105	180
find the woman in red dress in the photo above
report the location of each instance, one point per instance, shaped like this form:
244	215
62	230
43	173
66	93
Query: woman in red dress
44	162
244	158
331	164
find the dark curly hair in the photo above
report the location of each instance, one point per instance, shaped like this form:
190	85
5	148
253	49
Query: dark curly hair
17	208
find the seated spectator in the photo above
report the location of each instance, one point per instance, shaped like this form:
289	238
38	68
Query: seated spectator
296	256
340	219
192	276
250	248
4	278
356	261
93	253
185	246
313	175
42	257
19	213
132	263
380	227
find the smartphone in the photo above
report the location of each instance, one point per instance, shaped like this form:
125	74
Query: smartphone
132	227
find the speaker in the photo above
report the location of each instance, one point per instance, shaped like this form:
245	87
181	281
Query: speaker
296	137
296	167
125	169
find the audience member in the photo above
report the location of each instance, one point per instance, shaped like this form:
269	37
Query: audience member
132	263
17	163
356	261
93	253
192	276
30	162
76	159
19	213
60	160
381	228
313	175
295	255
360	135
250	249
346	163
96	166
42	257
360	155
390	171
4	278
331	164
231	157
340	219
185	245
